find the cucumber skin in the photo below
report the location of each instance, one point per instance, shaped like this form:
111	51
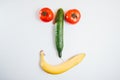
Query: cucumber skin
59	23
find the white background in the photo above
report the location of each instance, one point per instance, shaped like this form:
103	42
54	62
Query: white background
23	35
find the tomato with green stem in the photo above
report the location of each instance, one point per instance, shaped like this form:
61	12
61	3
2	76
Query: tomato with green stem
46	14
72	16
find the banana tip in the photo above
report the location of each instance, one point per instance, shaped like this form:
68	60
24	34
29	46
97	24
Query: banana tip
42	52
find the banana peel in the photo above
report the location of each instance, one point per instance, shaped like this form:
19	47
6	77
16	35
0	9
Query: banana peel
62	67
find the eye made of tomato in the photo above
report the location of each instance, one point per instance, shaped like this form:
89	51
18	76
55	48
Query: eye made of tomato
46	14
72	16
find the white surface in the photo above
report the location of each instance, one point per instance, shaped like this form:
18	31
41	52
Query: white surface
23	35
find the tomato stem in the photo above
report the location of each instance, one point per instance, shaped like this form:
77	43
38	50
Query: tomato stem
74	15
44	13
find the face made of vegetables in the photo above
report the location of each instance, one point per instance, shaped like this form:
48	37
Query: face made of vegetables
72	16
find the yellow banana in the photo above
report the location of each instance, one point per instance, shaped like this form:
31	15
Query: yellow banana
60	68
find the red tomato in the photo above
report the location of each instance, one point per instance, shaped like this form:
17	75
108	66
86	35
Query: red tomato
46	14
72	16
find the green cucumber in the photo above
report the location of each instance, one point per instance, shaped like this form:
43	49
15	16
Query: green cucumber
59	23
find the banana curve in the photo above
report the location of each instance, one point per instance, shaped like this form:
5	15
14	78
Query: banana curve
62	67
